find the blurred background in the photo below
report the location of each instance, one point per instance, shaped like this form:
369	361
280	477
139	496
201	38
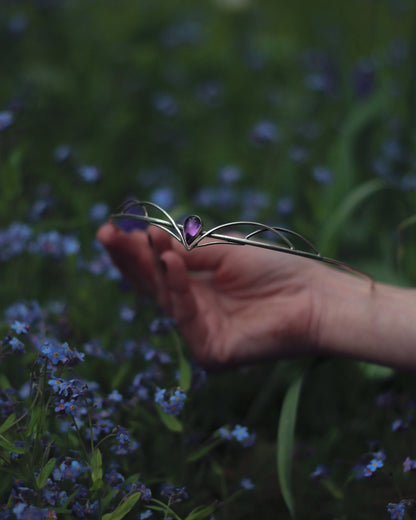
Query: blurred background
273	111
299	114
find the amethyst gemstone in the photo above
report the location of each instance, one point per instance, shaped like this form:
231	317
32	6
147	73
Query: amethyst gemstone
192	227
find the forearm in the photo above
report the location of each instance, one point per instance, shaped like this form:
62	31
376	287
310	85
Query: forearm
376	324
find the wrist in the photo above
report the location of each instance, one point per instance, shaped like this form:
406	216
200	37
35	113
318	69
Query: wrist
370	323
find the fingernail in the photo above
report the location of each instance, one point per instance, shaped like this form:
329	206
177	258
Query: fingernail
149	238
164	265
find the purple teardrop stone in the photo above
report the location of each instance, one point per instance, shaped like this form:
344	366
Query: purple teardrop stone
191	228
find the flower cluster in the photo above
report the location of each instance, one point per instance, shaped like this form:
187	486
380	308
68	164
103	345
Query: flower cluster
173	494
61	476
170	401
20	237
396	511
238	433
375	463
93	384
61	354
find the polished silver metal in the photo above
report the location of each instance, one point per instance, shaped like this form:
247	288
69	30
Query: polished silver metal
177	232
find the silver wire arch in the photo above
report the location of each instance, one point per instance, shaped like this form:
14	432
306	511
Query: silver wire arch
177	232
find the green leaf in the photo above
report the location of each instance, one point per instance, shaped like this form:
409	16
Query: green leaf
8	423
37	425
170	421
217	469
201	512
285	441
342	155
163	508
356	197
185	373
44	474
203	451
9	446
124	508
97	469
4	382
105	502
333	489
185	370
377	372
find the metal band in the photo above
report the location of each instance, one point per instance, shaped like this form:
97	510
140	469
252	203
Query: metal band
191	234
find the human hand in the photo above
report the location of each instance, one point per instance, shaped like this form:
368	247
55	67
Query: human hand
233	304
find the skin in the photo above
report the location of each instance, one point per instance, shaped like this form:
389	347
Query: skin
239	304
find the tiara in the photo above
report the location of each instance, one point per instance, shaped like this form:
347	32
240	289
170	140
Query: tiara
191	233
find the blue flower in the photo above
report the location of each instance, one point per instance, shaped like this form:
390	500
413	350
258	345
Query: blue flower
229	174
172	401
165	103
56	384
396	511
127	313
409	464
321	471
89	173
247	483
114	478
162	325
172	494
14	240
375	463
71	470
164	197
146	514
323	175
124	444
54	244
398	425
25	512
151	354
61	406
115	396
98	212
62	152
17	345
225	433
242	435
364	78
78	510
264	133
298	154
6	119
28	312
19	327
240	432
54	353
285	206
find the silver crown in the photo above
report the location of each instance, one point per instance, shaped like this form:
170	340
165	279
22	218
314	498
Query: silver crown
191	233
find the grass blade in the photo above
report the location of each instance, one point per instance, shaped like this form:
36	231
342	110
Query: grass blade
8	423
170	421
285	441
44	474
345	210
124	508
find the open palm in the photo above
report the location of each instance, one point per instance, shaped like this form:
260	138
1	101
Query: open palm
233	304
